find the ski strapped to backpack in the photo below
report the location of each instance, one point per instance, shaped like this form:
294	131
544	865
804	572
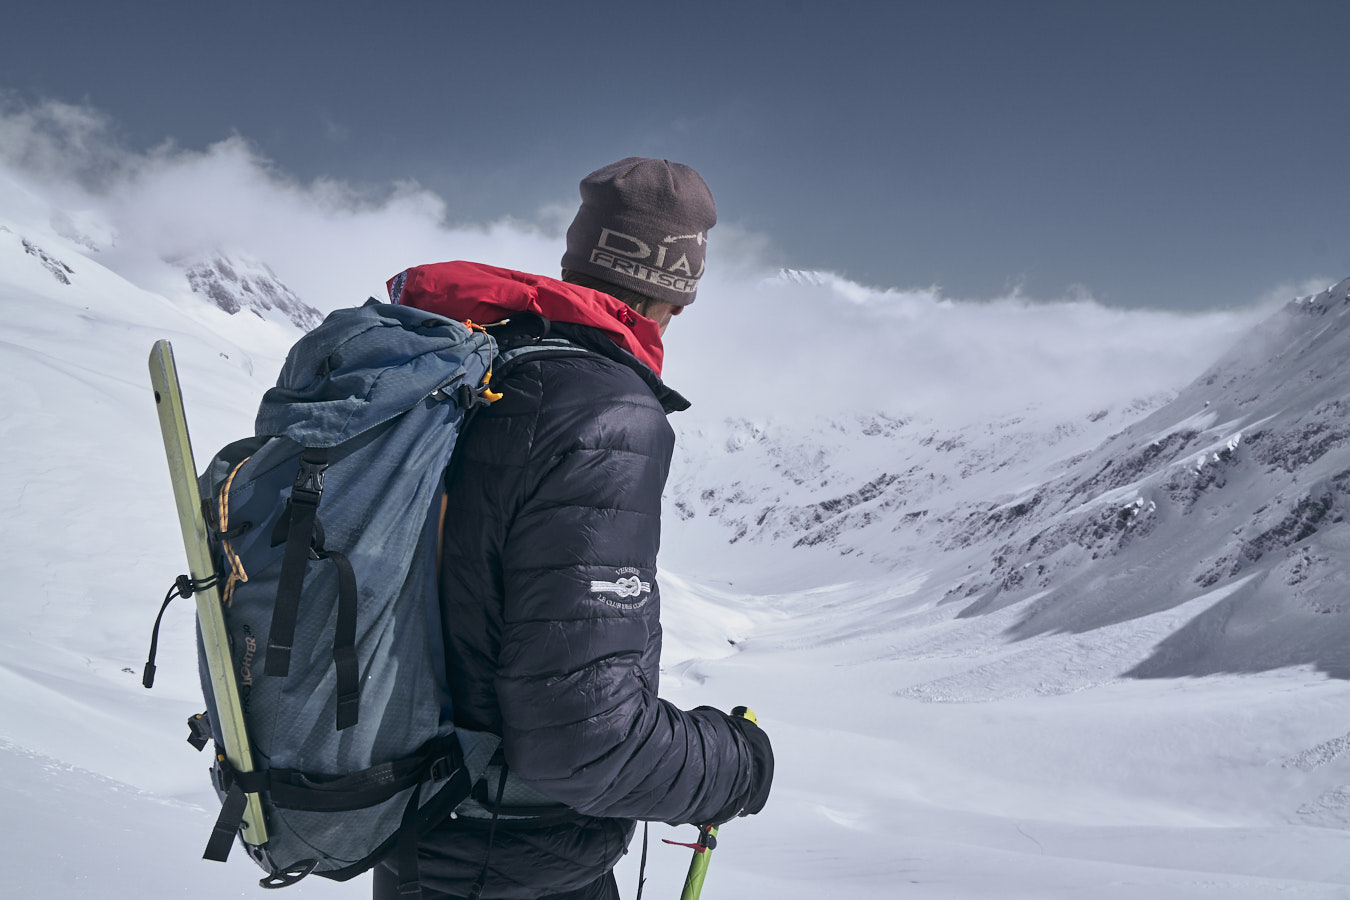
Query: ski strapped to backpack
211	628
312	553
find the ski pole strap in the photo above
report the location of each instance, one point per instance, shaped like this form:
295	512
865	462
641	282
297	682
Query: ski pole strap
304	503
707	840
698	866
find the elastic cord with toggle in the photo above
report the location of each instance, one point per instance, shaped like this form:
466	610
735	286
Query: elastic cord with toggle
183	586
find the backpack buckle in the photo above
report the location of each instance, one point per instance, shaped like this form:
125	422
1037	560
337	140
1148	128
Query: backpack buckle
309	479
443	768
199	731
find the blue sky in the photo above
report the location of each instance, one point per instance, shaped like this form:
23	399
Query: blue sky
1179	155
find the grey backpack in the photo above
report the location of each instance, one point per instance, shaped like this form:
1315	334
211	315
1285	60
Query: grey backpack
325	532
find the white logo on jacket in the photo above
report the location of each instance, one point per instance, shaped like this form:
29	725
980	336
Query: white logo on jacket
627	586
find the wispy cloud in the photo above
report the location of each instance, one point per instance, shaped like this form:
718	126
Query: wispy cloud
330	242
756	342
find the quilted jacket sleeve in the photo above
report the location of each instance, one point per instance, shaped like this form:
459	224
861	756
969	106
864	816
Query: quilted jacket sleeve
580	635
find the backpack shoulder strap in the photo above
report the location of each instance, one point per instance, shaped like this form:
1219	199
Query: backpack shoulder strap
528	335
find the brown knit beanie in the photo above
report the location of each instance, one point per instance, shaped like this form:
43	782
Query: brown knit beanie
643	224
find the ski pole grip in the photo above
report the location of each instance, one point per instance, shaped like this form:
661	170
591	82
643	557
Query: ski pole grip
745	712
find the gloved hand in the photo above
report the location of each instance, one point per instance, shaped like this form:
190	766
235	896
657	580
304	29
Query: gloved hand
752	800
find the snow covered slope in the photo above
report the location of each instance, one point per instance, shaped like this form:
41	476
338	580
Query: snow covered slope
912	606
1241	486
1240	483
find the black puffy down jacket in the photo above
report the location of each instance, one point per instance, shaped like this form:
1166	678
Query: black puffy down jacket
554	633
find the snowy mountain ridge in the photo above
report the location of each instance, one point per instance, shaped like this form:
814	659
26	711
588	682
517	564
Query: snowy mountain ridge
1240	483
832	480
234	281
237	282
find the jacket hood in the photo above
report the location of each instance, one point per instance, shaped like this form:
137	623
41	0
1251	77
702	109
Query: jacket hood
486	294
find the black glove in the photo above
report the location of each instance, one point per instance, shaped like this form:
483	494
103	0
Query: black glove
761	765
761	770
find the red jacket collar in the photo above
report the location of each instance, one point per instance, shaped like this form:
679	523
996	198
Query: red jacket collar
486	294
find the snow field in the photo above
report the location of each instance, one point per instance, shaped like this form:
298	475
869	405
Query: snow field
919	754
1161	788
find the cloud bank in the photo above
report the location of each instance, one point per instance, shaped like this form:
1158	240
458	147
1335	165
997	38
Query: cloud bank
759	341
844	346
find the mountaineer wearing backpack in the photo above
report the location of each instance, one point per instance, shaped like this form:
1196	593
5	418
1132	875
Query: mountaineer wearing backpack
548	558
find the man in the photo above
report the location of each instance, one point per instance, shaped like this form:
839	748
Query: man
549	547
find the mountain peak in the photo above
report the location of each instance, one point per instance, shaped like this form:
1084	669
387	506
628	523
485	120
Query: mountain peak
236	282
1336	297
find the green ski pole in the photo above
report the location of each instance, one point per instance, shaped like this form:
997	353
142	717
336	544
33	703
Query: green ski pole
707	840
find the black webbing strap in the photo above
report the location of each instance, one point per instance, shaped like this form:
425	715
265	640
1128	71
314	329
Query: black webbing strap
441	760
478	885
228	777
405	852
446	762
285	793
305	496
344	643
227	824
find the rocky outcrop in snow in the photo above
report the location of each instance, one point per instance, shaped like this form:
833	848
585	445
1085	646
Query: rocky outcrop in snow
235	284
59	270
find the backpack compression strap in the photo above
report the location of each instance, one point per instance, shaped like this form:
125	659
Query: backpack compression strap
304	541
